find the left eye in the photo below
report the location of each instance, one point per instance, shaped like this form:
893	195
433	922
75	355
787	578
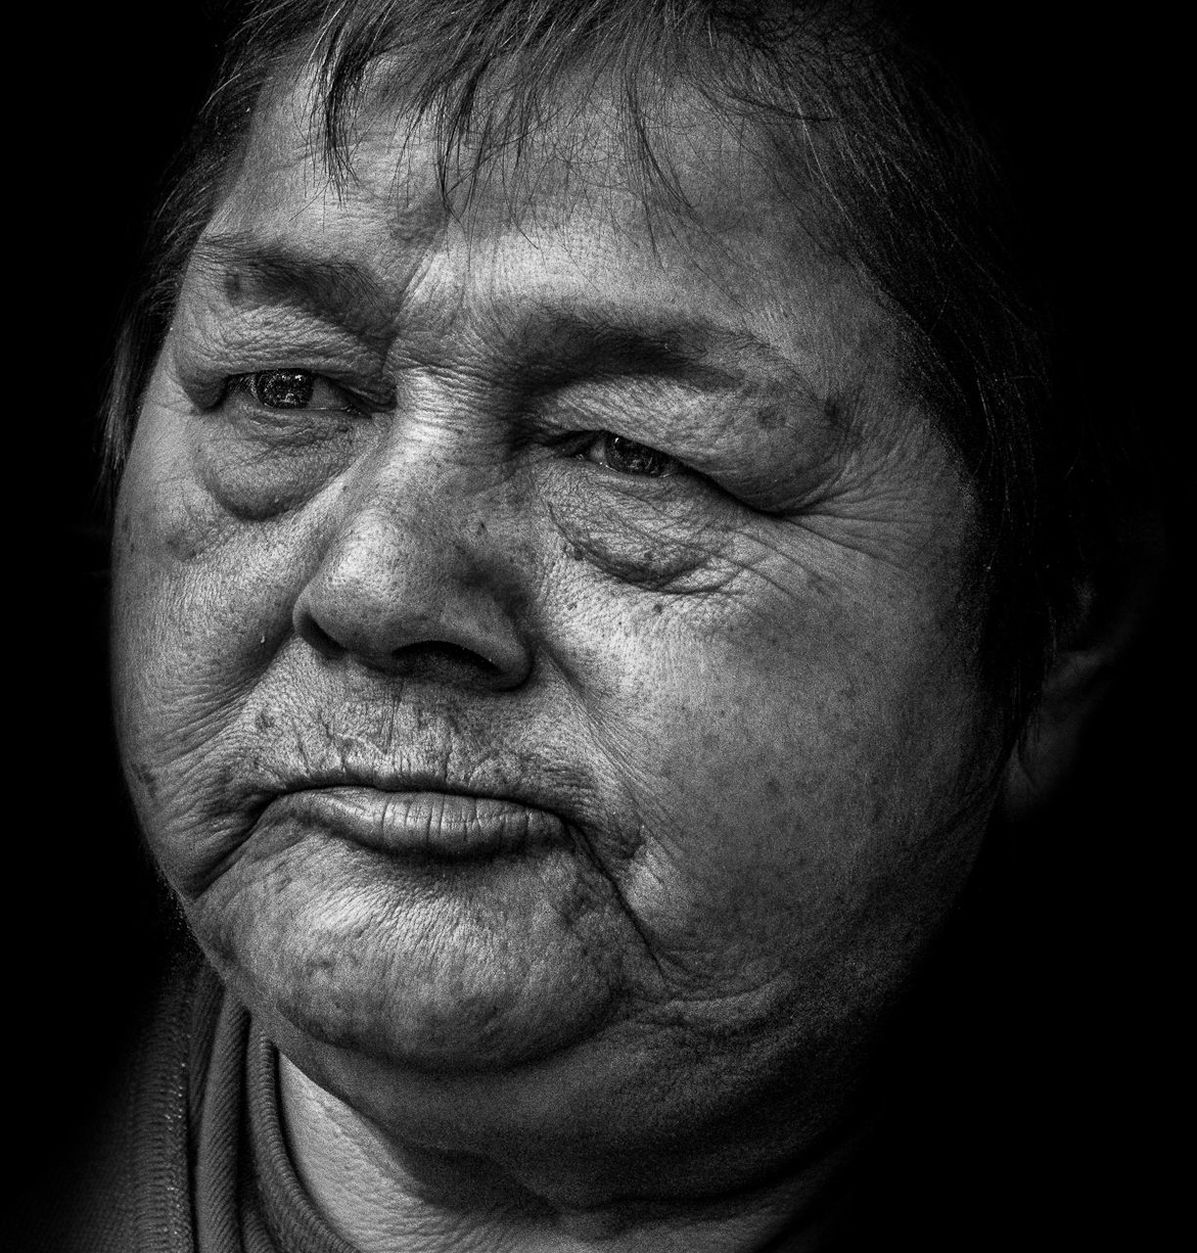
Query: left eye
617	452
290	389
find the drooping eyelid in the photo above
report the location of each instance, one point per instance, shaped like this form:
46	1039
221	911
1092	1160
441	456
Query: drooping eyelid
733	435
207	352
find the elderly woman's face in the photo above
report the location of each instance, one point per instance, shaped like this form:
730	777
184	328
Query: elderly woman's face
543	639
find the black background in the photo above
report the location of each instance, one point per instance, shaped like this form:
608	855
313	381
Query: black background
1092	892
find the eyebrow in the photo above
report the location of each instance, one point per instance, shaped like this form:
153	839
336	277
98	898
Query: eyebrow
337	291
568	339
550	343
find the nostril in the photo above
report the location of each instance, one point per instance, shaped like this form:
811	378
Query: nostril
444	662
312	633
430	659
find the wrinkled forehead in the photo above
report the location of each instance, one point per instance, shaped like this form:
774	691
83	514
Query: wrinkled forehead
677	206
671	154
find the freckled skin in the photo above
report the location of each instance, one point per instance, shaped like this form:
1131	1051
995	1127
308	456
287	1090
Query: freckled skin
760	718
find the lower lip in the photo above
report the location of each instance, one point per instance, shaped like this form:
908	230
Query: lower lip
424	824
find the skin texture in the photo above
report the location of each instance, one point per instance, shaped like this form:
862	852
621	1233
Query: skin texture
731	658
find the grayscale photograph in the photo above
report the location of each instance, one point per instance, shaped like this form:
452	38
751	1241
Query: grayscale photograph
609	569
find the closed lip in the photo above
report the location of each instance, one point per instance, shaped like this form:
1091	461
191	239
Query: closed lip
419	821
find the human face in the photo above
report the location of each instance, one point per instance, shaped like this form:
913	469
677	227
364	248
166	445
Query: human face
542	636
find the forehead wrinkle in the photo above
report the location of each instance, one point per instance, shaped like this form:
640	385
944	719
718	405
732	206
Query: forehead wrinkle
249	271
681	163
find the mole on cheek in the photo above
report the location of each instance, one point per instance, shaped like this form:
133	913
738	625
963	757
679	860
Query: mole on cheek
182	546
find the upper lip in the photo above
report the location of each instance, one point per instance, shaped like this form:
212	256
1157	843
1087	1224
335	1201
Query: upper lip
397	749
383	778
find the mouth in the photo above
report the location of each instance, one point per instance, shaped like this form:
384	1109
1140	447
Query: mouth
441	825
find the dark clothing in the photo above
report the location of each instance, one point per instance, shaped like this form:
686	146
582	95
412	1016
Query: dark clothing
193	1159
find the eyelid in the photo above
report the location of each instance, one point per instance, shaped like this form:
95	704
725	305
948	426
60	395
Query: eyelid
204	362
209	386
736	489
723	442
581	418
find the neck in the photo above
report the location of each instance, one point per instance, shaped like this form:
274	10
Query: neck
383	1197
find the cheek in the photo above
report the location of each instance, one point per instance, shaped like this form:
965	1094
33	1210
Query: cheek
788	764
201	606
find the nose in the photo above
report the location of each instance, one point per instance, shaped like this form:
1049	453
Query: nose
410	582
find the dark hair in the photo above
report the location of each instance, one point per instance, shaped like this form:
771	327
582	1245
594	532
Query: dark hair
847	97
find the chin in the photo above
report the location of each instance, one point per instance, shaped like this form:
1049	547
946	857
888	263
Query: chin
438	968
489	1032
460	1006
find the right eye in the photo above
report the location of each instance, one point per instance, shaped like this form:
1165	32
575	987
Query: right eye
290	389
